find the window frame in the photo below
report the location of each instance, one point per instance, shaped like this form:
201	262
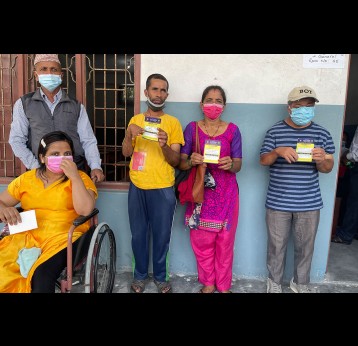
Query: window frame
22	83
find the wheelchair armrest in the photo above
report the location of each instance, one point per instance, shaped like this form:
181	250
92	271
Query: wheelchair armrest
82	219
78	221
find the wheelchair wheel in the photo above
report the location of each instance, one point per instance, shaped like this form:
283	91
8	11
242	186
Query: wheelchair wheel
101	261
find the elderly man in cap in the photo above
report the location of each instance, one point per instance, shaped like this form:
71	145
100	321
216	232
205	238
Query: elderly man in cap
296	149
48	109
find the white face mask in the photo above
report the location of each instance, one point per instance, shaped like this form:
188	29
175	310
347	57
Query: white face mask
154	107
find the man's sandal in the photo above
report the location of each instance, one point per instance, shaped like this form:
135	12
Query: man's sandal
138	286
163	287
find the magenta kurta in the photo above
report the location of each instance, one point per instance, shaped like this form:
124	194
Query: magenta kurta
213	241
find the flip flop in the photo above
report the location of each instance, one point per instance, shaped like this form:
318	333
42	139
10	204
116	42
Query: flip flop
226	292
202	290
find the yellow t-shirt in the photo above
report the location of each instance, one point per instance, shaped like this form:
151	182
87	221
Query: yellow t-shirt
54	213
155	172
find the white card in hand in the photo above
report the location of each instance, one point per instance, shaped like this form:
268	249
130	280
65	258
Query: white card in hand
28	222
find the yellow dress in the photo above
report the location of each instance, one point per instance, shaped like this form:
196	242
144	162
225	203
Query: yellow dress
54	213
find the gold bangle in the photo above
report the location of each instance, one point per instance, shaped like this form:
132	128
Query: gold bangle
232	164
189	162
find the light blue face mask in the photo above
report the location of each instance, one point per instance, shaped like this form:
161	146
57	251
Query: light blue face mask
50	81
302	116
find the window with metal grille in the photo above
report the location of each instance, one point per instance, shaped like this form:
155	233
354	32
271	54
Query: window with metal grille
107	84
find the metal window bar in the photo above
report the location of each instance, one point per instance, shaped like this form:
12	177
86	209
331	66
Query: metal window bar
109	77
9	166
109	74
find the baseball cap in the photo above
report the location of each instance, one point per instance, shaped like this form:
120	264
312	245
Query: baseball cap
46	57
301	92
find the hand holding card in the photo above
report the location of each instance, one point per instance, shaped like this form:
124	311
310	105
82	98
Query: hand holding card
28	222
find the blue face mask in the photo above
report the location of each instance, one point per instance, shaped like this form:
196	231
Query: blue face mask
302	116
50	81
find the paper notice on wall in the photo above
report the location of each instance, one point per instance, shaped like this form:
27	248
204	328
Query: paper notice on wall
323	60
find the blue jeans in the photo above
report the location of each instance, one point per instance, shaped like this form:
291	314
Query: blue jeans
350	219
151	212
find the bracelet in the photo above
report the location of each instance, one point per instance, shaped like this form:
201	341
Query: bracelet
232	164
188	161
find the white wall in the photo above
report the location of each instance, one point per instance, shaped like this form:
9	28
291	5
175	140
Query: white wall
249	78
257	87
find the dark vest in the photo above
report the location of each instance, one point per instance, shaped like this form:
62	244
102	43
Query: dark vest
65	118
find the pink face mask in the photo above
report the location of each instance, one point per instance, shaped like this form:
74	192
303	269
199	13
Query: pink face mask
53	163
212	110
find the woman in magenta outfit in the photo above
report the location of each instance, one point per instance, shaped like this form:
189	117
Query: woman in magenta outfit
213	223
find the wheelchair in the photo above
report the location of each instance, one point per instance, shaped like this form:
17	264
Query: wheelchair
94	264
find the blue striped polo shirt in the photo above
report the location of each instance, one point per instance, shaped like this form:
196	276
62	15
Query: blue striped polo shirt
294	186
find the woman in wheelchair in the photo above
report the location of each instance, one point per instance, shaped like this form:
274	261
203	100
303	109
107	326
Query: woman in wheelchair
32	261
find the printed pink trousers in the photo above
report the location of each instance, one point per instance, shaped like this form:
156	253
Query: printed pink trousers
214	252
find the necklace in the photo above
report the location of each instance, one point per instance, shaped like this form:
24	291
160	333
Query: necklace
206	130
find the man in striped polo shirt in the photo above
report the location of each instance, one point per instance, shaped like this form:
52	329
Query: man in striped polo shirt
296	149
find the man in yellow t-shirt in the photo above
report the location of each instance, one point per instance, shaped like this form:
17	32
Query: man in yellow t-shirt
153	139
